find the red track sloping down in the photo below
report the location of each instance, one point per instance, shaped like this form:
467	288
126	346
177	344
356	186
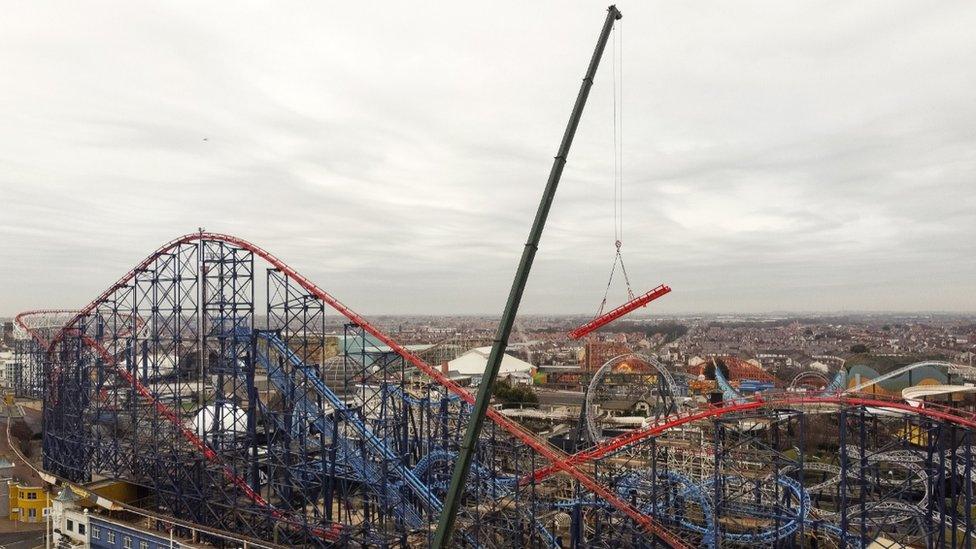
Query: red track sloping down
607	318
552	455
331	532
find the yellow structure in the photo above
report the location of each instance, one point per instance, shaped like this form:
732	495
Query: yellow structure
27	503
114	489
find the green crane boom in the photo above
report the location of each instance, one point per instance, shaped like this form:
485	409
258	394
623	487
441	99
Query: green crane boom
448	516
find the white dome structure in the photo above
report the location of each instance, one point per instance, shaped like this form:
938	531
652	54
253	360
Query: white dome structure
223	419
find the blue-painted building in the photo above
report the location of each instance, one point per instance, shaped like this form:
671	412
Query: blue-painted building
113	535
80	528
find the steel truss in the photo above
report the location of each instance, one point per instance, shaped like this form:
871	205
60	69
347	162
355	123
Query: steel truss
283	432
166	382
760	477
34	330
28	374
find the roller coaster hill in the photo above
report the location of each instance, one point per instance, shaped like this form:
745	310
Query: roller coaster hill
164	382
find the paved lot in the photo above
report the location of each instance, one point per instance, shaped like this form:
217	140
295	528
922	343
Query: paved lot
22	540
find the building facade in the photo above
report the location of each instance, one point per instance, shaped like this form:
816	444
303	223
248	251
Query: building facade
76	527
26	503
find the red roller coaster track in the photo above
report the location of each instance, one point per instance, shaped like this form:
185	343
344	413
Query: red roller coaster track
767	400
559	463
620	311
330	533
21	320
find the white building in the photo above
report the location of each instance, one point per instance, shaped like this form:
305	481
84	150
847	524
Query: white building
9	369
70	526
472	364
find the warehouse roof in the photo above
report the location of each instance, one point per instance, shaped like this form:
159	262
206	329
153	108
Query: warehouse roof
473	363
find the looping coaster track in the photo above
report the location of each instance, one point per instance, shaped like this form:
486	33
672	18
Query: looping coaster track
167	380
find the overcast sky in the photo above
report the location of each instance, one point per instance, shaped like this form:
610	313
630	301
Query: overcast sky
777	155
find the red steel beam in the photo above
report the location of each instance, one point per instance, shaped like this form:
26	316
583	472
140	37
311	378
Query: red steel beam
331	533
527	437
766	400
620	311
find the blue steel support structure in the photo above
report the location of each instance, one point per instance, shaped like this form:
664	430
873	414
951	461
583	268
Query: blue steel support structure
309	431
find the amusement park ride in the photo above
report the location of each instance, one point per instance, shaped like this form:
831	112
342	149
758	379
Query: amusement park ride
169	382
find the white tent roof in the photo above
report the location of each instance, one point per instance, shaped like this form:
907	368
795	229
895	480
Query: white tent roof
473	363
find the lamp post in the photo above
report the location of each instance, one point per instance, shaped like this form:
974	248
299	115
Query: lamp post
48	527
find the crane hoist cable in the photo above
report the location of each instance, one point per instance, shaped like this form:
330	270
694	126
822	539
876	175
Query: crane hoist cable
618	258
617	163
617	183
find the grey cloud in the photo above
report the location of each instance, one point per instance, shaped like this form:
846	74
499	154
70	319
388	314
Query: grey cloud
814	156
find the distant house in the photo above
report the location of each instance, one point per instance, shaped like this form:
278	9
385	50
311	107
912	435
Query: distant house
472	364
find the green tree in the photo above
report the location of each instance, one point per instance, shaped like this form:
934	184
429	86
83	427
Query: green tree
514	395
